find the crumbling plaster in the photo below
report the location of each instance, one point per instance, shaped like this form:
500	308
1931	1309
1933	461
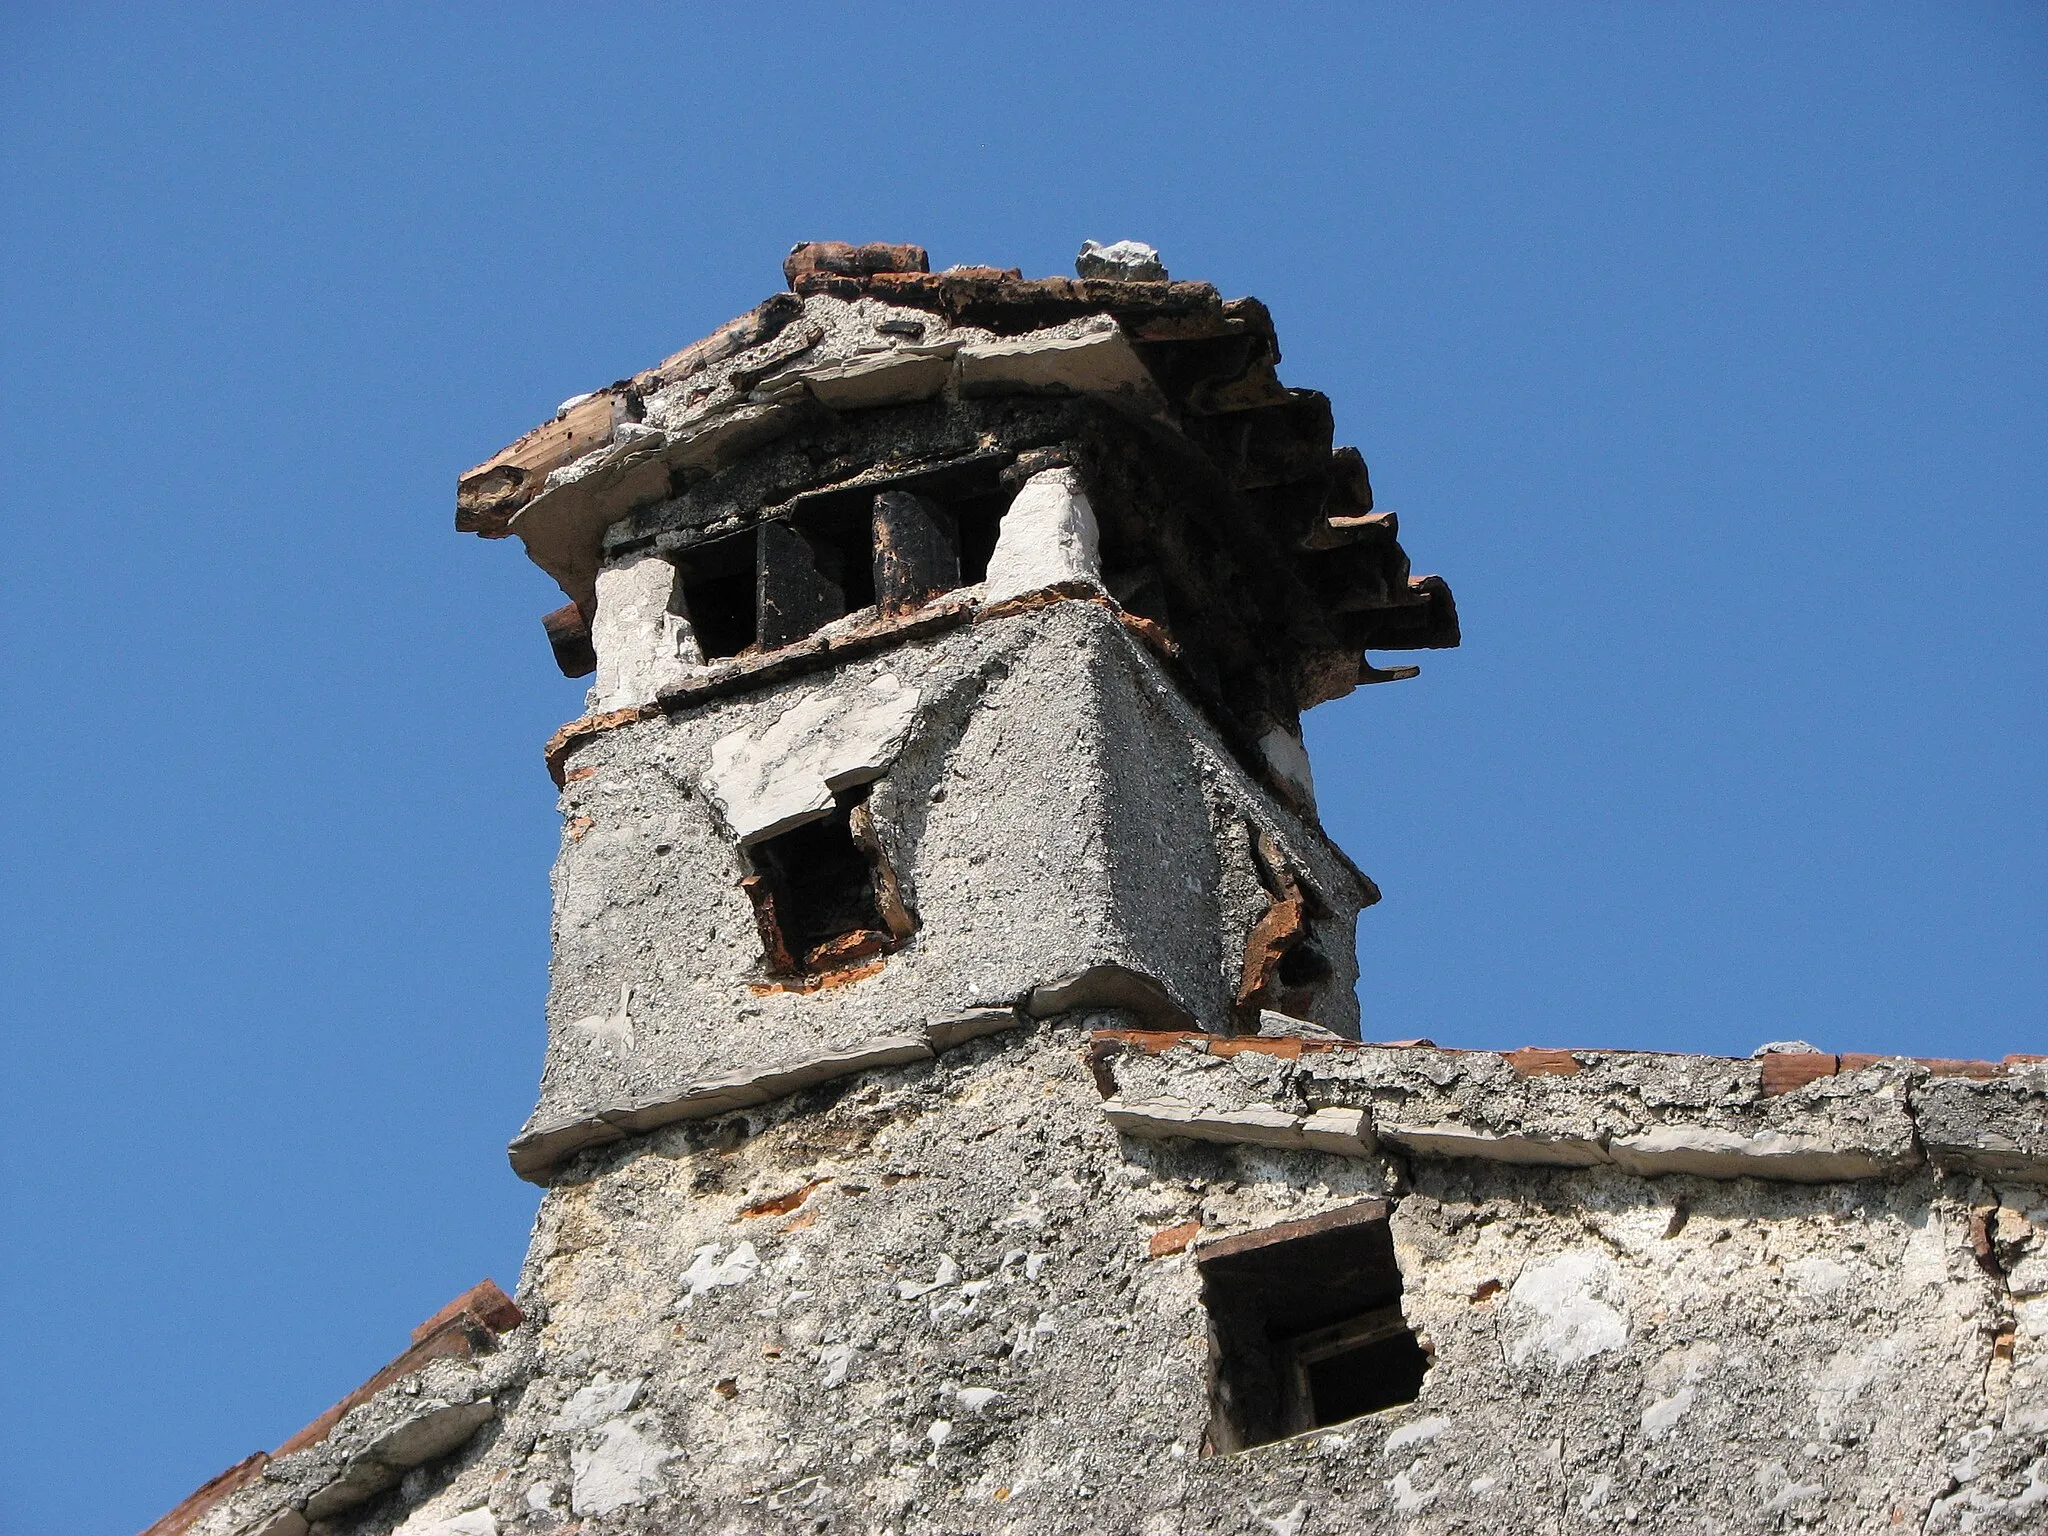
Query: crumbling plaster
820	1315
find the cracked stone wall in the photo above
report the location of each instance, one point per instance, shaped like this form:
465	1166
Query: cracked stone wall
936	1299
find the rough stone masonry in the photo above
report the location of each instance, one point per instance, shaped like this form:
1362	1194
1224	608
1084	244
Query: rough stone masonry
954	1117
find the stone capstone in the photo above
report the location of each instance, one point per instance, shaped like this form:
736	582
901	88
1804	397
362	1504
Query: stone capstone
425	1435
1094	358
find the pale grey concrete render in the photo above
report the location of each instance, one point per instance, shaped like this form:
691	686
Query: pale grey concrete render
1052	805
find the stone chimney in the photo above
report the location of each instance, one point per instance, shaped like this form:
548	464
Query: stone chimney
953	1116
951	635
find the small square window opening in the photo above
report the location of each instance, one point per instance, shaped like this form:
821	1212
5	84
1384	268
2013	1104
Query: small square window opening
1306	1327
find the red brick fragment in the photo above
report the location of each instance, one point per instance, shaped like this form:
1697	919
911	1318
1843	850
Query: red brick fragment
1168	1241
825	982
839	259
809	283
196	1504
1287	1231
1785	1070
918	290
482	1301
1942	1066
1980	1240
1286	1047
1533	1061
782	1205
847	949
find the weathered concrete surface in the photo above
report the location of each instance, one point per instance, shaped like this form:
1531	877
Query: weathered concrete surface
1047	758
821	1315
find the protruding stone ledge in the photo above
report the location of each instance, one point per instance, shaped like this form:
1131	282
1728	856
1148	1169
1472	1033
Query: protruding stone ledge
1766	1155
1343	1131
538	1150
1644	1113
1668	1149
1445	1140
1996	1126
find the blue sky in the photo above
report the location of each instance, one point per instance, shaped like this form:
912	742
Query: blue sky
1700	347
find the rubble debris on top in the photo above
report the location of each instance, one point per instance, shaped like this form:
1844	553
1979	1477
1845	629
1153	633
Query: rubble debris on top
1231	520
1129	259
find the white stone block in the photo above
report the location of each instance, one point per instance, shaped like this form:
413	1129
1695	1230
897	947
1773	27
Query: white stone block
641	646
1130	261
1049	536
1288	759
1347	1132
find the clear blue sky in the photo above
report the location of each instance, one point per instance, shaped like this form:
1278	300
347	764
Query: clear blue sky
1700	346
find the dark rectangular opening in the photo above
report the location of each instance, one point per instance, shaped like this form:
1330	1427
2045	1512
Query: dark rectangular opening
824	894
841	535
1306	1327
715	593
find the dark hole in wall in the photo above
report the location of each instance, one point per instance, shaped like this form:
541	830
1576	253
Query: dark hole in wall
1306	1327
980	521
716	594
1304	966
1138	589
1365	1378
841	534
819	889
